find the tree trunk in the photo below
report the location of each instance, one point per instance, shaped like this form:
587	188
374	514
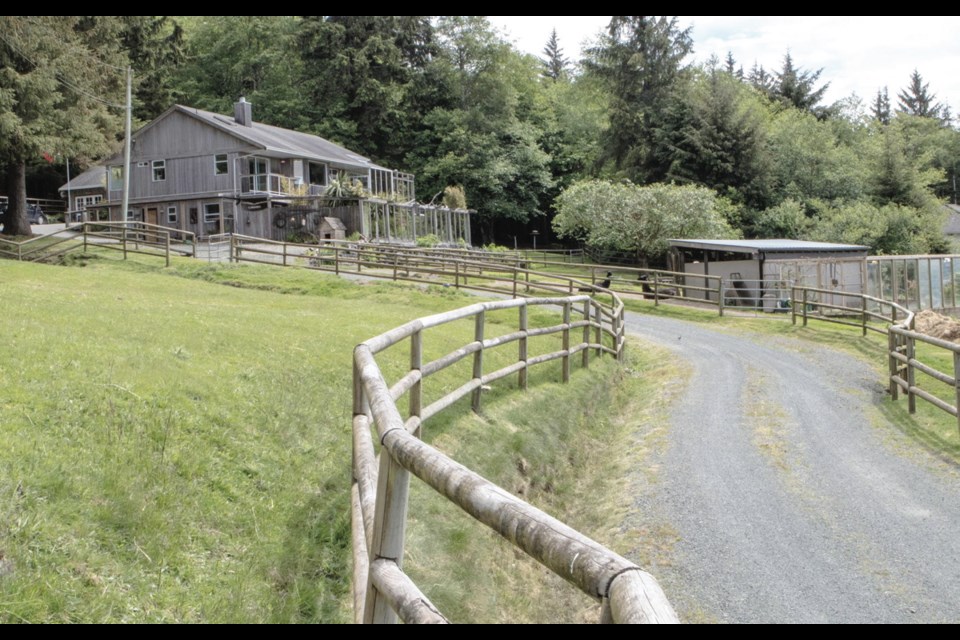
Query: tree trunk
15	221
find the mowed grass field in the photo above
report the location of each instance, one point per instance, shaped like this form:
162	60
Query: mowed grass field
178	450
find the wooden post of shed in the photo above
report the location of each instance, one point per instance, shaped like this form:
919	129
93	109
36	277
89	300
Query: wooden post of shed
804	307
478	361
720	302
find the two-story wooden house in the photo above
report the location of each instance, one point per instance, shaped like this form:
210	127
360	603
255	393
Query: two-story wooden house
208	173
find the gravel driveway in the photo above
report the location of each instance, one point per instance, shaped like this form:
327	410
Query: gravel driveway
791	502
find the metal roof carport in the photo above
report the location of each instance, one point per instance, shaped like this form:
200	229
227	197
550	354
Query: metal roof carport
746	260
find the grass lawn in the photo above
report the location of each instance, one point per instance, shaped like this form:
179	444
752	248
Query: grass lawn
178	450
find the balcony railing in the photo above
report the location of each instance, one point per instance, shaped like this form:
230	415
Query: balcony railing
275	184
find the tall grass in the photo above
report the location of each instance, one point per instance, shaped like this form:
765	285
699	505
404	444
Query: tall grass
177	450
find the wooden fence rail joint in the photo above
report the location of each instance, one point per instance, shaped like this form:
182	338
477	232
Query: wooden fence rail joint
606	589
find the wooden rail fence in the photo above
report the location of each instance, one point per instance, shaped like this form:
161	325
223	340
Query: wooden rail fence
513	276
374	261
903	359
138	237
126	237
660	284
39	248
807	303
382	592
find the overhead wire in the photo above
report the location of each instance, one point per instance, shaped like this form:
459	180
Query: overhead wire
94	59
58	76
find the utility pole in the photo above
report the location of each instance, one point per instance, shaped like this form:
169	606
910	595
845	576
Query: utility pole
66	214
126	151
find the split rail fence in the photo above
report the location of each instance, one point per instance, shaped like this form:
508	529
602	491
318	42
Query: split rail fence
382	591
908	351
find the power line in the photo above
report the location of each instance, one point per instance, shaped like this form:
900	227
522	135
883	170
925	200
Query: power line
94	58
57	75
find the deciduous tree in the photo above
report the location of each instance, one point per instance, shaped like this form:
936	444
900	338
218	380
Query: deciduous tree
641	220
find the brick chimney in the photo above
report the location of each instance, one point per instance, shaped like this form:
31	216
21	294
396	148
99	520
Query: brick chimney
243	112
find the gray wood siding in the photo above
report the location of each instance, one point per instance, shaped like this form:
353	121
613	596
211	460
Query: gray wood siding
188	147
179	135
184	177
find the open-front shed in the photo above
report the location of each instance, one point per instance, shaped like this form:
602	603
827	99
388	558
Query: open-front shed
759	273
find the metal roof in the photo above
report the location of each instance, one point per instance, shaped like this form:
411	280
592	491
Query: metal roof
93	178
284	142
767	246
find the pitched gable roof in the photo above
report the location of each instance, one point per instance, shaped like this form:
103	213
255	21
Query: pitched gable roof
93	178
275	140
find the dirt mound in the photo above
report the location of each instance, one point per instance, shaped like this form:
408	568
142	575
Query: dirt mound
939	326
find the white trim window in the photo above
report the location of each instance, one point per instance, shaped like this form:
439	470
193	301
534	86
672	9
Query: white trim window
159	170
131	215
221	165
116	178
82	202
211	212
259	169
172	215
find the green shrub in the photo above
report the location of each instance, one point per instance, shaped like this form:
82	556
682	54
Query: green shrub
429	240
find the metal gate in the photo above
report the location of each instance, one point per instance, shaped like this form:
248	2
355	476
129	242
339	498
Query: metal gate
218	247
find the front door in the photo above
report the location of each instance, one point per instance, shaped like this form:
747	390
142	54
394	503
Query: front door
153	216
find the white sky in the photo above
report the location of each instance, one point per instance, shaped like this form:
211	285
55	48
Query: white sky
858	54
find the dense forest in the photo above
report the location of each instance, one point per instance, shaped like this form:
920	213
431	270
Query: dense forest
626	146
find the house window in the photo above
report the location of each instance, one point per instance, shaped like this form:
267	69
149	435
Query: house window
87	201
318	173
116	178
159	170
211	212
258	173
131	215
171	215
220	165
